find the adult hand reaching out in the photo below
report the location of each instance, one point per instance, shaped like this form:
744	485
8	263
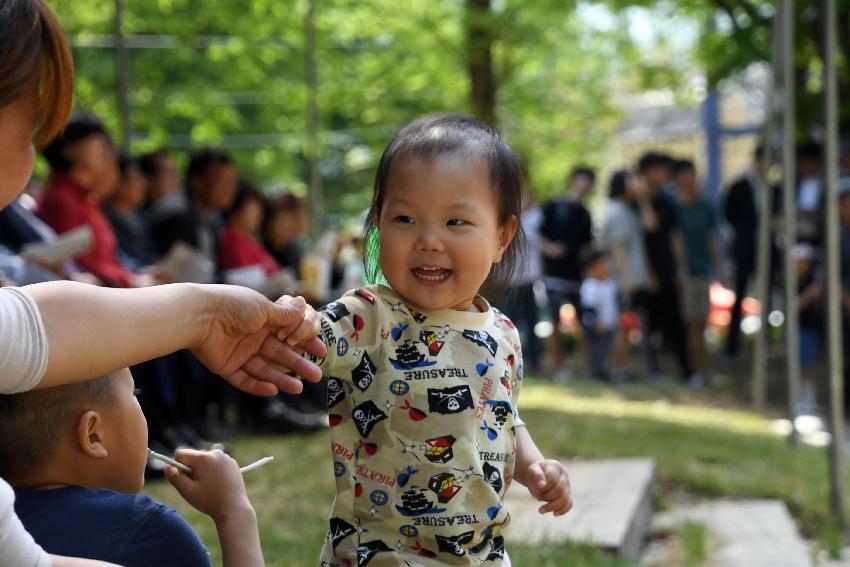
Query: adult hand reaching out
244	341
255	344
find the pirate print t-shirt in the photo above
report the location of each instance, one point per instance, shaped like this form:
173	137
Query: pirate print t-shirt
422	409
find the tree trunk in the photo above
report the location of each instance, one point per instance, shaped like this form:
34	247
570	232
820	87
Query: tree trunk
479	44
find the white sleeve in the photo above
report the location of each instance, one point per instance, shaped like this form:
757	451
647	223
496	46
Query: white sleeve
16	545
23	342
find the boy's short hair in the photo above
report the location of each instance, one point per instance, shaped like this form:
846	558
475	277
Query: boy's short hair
32	424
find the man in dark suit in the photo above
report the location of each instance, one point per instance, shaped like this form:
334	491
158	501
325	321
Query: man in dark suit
741	207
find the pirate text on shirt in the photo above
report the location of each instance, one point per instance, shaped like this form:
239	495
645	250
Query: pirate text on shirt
488	456
433	373
483	396
375	476
459	520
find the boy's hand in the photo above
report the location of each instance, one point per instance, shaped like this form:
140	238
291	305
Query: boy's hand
547	480
215	488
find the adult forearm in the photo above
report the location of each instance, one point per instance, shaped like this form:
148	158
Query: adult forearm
240	539
93	330
527	453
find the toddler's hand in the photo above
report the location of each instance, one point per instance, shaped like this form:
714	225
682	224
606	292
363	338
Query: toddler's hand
303	334
548	482
215	488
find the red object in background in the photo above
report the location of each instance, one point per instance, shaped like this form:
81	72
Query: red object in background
66	205
720	313
238	250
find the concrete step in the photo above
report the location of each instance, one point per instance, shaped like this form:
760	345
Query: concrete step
613	507
743	533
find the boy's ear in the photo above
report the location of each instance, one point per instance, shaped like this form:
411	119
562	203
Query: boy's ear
506	235
90	435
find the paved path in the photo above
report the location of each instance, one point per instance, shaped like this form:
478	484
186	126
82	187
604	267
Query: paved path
613	507
748	533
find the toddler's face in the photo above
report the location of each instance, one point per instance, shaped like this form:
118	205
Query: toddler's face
439	229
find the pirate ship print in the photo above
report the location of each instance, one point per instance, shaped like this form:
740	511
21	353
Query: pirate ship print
408	357
415	502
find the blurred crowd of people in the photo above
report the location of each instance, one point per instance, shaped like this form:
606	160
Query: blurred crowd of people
639	279
137	209
630	285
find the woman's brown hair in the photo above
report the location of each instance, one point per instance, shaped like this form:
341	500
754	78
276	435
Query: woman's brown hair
33	47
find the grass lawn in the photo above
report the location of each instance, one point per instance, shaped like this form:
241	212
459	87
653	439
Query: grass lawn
701	447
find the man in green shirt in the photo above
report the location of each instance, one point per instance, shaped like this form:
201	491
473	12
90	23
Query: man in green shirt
698	224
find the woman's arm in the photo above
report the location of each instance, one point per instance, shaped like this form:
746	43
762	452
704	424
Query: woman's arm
92	331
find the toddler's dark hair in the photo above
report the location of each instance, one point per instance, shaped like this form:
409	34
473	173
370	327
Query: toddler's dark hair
445	134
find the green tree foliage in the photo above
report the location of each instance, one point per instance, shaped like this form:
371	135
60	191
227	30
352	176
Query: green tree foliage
737	33
233	74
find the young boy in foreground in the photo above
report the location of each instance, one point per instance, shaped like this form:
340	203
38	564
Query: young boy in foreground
76	456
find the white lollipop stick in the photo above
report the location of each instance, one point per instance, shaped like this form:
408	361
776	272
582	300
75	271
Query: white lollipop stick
257	464
170	461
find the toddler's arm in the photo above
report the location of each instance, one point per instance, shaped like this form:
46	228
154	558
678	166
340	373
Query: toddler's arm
546	479
216	488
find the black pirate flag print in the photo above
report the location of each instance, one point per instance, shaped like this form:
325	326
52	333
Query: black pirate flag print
363	373
336	391
482	339
370	549
366	416
335	311
450	400
454	544
493	477
340	529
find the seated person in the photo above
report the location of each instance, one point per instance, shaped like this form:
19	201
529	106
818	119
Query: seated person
122	209
285	225
237	245
19	226
84	171
76	455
